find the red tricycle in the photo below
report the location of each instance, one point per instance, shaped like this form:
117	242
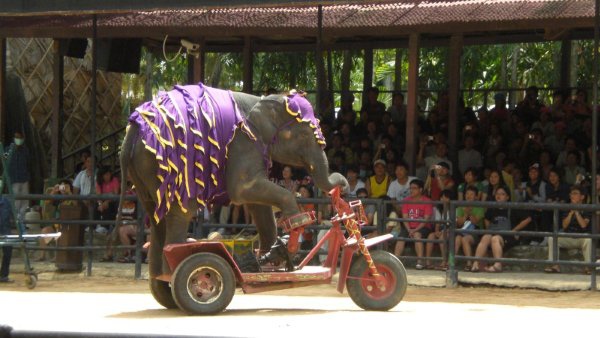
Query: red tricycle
206	275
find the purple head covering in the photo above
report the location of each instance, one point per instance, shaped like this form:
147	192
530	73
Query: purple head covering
299	107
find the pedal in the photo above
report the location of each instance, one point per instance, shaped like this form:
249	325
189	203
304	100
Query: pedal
297	221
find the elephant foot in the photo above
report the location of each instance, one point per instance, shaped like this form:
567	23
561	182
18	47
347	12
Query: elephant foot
277	257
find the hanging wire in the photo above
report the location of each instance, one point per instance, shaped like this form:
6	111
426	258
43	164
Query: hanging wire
165	53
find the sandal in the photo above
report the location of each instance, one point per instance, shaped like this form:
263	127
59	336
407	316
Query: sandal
493	269
552	269
442	267
419	266
475	268
106	259
125	259
468	268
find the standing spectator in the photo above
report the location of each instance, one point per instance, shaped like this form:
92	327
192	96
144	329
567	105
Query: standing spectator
398	110
441	155
470	178
545	123
439	180
82	157
528	110
337	146
581	107
469	157
493	144
499	219
499	114
372	109
559	105
556	141
573	221
417	229
533	145
353	181
468	218
377	185
6	220
18	171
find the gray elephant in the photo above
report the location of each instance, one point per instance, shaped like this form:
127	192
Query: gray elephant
195	145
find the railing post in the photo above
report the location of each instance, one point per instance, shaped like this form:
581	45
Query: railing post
451	273
554	235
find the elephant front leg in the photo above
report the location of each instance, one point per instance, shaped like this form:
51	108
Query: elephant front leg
265	192
265	224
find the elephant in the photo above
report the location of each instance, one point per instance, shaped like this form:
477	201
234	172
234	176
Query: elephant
278	128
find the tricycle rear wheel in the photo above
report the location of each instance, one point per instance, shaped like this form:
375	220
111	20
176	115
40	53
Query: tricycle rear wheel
363	288
203	284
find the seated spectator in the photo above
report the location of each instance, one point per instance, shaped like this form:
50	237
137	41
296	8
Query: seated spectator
535	192
106	183
441	155
533	145
573	221
545	123
555	142
470	178
416	230
377	185
499	219
372	109
354	182
128	230
468	218
469	157
399	188
441	213
546	164
64	187
572	169
570	145
495	181
337	146
439	180
307	235
559	105
494	143
287	181
507	168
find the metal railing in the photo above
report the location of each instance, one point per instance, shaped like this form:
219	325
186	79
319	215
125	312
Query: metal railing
199	228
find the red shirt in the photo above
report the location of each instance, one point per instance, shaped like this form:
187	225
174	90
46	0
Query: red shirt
417	211
436	191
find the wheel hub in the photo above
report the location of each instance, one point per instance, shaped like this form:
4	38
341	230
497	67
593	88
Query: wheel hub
204	285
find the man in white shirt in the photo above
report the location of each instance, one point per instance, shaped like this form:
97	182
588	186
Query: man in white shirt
399	188
354	182
82	185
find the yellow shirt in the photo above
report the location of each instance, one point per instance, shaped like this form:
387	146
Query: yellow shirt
378	189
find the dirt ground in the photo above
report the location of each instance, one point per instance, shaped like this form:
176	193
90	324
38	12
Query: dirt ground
473	295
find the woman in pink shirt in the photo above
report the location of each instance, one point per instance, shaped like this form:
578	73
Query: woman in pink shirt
106	183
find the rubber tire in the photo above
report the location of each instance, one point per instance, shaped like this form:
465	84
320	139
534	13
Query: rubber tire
31	281
222	275
388	265
161	291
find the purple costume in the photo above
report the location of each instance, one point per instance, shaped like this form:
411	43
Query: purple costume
189	129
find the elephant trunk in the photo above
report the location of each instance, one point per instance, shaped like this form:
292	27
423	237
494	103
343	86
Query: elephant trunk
319	170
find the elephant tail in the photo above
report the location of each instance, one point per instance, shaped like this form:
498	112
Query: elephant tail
125	157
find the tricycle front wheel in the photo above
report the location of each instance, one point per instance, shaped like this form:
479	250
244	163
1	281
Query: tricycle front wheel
203	284
364	289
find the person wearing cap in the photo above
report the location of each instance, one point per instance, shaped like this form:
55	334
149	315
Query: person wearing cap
439	180
499	114
377	185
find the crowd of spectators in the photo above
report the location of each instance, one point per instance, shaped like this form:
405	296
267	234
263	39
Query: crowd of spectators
536	153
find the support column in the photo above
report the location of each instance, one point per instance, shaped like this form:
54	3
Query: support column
319	61
57	109
412	96
195	66
565	63
456	47
3	111
248	65
367	72
398	69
